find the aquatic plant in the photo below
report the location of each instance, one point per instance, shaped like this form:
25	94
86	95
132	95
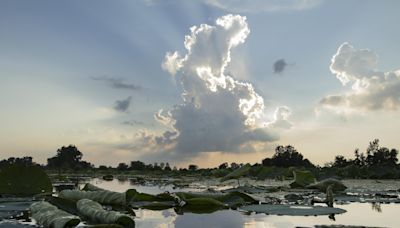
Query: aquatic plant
240	172
103	197
94	212
280	209
21	180
337	185
48	215
302	179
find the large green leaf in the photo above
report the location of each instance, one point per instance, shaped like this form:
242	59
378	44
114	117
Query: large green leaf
103	197
231	199
280	209
337	186
302	179
19	180
48	215
94	212
240	172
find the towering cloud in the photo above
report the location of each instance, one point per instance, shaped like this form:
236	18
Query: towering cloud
371	89
218	113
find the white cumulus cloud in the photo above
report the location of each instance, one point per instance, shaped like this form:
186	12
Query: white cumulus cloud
218	112
371	89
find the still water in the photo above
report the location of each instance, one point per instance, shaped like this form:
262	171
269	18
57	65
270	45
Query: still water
361	214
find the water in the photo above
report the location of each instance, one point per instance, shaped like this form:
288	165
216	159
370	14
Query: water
361	214
357	214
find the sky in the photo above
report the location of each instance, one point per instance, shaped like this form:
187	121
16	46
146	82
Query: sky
202	81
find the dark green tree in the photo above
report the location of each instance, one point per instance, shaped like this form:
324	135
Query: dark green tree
68	157
223	165
122	167
138	165
287	156
341	162
167	167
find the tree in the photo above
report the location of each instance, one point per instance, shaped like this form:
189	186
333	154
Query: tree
137	165
193	167
156	166
122	167
234	165
67	157
286	156
340	162
378	156
223	165
24	161
167	167
103	167
357	159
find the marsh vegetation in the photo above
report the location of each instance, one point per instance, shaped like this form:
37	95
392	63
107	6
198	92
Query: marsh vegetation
69	192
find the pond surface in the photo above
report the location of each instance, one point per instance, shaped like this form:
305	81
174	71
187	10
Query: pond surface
360	214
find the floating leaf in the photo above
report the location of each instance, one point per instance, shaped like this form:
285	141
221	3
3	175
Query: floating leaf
232	199
202	205
48	215
103	197
19	180
337	186
242	171
280	209
64	204
154	205
302	179
91	187
95	213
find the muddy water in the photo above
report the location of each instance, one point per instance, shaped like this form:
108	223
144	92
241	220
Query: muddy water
361	214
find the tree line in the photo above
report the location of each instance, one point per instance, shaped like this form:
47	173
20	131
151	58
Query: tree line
375	159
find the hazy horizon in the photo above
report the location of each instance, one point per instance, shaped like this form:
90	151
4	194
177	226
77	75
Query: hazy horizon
202	82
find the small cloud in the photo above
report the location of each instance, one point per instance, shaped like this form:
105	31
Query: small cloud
122	105
279	66
281	118
117	83
132	122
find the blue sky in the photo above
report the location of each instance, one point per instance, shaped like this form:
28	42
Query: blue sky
65	65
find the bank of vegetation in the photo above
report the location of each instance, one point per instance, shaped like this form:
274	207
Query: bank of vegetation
376	162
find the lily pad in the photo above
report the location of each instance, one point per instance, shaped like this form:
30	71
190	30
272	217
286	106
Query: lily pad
155	206
135	196
103	197
91	187
232	199
48	215
242	171
64	204
281	209
302	179
202	205
94	212
19	180
337	185
252	189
